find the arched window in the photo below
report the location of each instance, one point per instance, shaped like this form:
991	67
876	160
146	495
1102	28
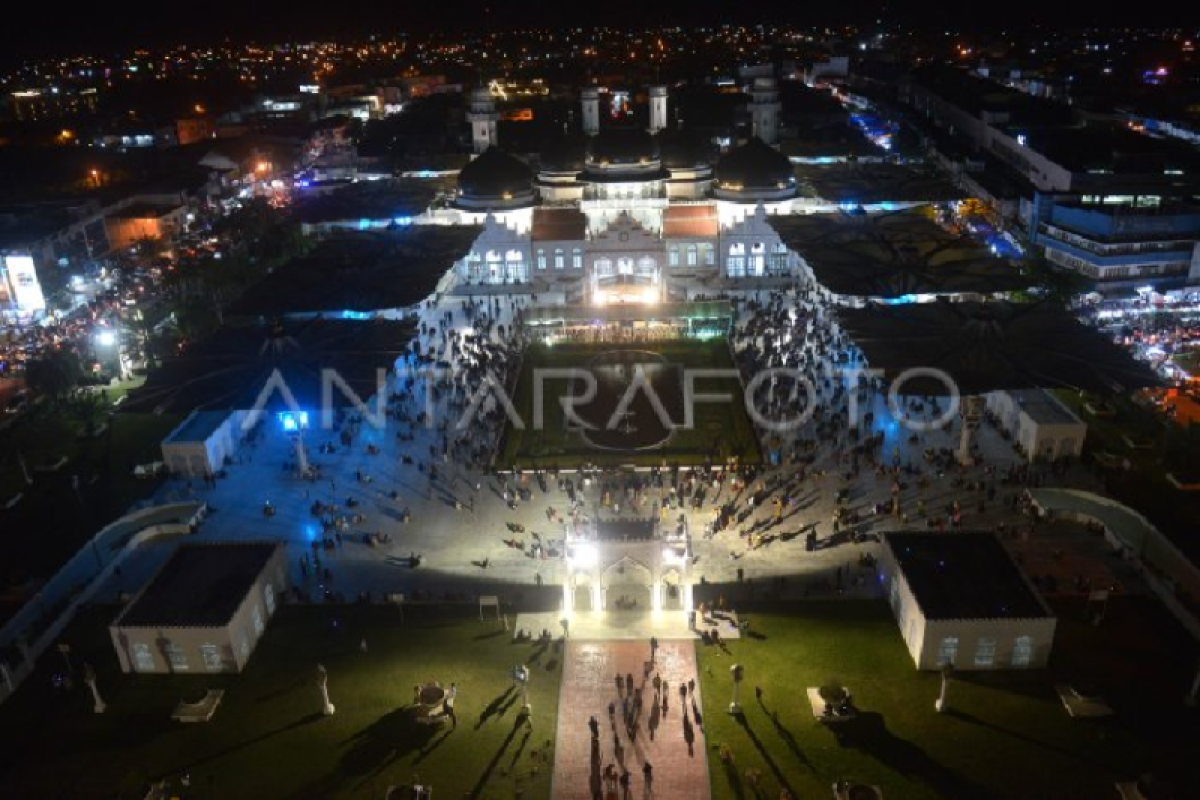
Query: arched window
603	267
493	256
624	266
577	258
560	260
757	259
541	258
735	267
692	259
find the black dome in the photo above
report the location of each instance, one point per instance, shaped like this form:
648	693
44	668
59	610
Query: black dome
623	146
493	174
681	151
754	164
563	155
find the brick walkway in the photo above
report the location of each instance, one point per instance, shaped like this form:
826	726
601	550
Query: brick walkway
589	685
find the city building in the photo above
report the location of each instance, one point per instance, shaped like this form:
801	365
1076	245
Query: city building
1098	198
204	611
960	599
133	223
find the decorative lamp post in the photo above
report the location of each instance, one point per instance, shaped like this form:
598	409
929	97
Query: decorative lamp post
89	677
524	681
947	672
736	672
322	681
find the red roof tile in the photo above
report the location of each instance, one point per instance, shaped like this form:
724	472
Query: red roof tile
690	221
559	224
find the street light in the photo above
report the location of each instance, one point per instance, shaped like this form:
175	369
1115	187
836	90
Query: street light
106	338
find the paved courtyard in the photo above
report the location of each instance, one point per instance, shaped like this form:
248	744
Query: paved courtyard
670	737
463	548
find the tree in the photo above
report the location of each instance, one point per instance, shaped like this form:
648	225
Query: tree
55	374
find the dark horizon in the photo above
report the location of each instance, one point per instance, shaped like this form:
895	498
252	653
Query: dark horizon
42	30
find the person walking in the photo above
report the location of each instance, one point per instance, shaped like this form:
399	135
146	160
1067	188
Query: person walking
648	775
449	703
657	682
594	727
653	648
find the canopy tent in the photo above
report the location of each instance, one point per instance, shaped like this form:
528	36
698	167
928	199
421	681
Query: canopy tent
891	255
230	369
993	346
362	272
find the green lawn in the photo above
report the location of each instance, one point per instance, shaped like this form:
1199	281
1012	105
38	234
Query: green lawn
720	431
1006	736
268	739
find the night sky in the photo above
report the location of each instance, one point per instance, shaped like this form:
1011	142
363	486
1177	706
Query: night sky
34	28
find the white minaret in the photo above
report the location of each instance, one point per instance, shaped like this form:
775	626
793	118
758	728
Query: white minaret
482	116
764	110
591	111
658	108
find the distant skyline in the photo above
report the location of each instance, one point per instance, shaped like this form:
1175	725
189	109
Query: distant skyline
35	29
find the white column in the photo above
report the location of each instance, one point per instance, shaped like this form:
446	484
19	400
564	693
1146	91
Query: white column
597	596
656	596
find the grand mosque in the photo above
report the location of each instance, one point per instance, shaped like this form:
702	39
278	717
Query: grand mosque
625	214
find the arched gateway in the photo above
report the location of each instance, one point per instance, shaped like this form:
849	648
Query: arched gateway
627	566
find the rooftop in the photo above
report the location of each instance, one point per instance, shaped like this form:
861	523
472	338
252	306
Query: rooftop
963	576
199	426
1042	408
200	586
145	211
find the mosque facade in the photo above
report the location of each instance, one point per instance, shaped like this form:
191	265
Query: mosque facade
625	214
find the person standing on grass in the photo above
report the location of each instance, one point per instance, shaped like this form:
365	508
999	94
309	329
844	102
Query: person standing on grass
451	696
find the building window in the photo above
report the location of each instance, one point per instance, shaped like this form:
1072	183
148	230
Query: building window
737	266
212	657
577	258
256	615
603	267
624	266
673	256
269	598
709	253
647	265
541	258
691	255
176	657
985	653
560	260
1022	651
948	651
143	659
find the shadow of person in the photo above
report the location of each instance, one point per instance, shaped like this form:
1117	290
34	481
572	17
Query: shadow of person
497	706
868	733
392	736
